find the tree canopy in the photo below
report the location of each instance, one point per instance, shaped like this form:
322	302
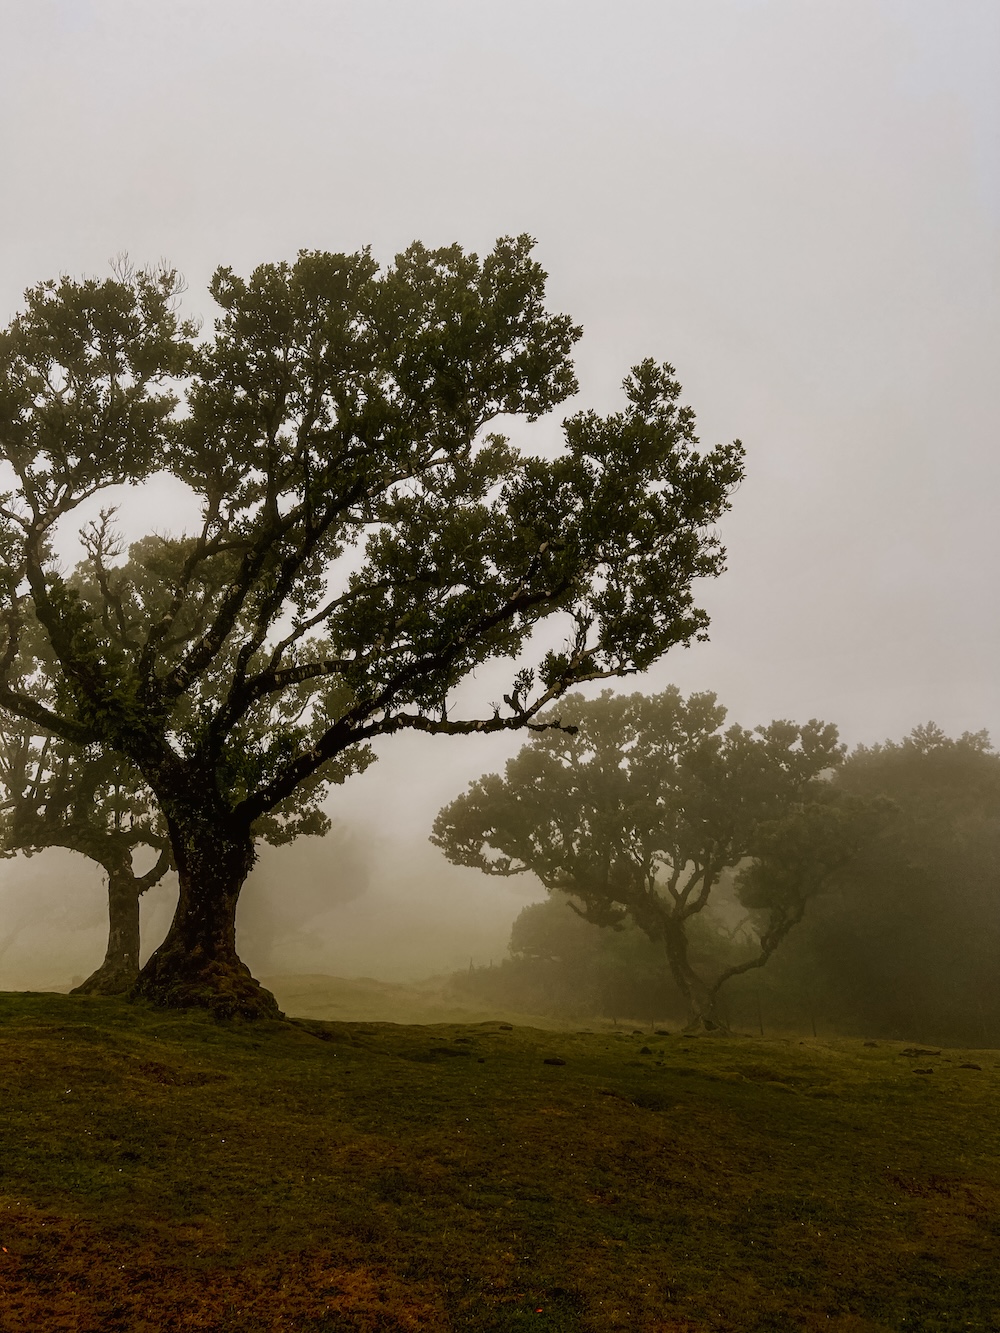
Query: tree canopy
640	810
364	543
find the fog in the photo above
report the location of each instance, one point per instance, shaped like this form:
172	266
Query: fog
796	204
356	903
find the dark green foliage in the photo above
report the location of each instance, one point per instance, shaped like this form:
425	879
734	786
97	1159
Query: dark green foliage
365	543
907	943
85	388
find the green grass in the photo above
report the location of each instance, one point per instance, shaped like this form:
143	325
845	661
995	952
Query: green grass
159	1171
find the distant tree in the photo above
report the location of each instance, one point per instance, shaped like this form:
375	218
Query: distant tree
364	545
57	795
906	944
560	964
639	813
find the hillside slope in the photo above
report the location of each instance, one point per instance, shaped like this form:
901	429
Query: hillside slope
162	1172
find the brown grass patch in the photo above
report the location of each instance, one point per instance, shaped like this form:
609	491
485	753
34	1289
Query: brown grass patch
61	1274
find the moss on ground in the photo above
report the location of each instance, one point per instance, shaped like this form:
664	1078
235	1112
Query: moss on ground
160	1171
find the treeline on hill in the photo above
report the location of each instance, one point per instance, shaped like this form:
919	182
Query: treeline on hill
901	942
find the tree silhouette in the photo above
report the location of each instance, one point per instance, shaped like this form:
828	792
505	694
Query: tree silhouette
364	543
639	812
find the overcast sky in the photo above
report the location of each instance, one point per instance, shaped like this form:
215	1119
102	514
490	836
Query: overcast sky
796	202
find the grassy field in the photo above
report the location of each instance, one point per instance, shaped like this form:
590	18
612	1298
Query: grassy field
162	1172
366	1000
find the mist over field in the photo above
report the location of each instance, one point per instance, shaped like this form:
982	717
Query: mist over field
499	639
369	905
795	205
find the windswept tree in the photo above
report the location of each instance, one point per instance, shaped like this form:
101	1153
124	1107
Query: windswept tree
639	812
365	544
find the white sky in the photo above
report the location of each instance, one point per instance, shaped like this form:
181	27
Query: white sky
794	201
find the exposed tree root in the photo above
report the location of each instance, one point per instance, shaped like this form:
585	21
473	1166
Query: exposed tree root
226	988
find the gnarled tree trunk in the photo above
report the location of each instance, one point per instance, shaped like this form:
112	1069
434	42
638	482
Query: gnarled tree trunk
700	999
118	972
197	965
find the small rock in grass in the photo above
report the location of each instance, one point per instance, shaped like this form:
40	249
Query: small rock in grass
871	1043
506	1027
970	1065
644	1050
923	1071
553	1060
662	1032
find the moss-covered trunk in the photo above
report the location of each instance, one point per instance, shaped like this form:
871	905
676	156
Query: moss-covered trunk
197	965
118	973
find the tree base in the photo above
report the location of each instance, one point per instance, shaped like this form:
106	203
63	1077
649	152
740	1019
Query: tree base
227	989
109	979
707	1027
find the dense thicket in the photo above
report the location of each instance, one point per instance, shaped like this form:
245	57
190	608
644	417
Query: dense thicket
907	944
